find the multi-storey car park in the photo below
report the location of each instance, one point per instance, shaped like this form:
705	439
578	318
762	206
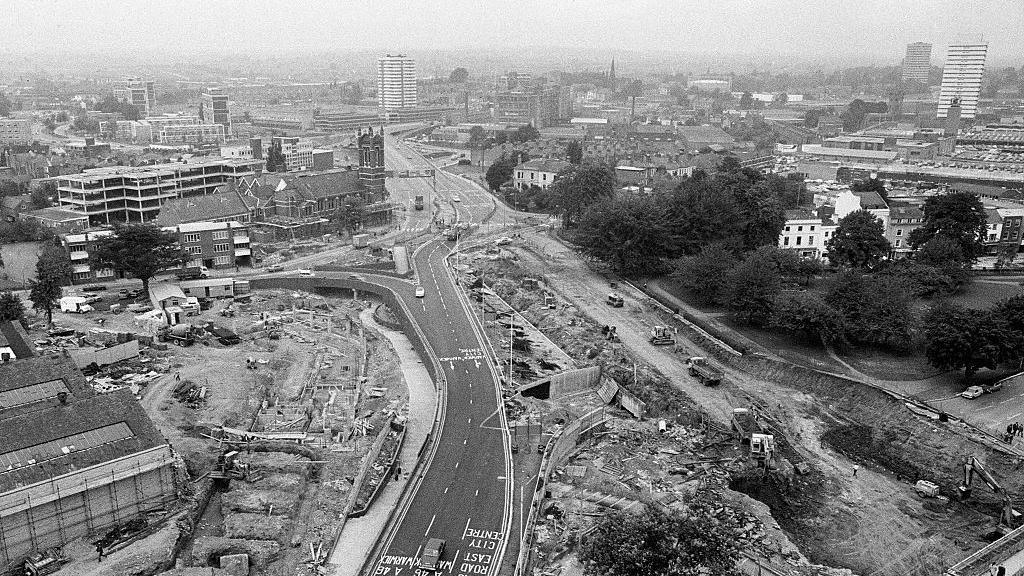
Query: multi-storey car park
135	194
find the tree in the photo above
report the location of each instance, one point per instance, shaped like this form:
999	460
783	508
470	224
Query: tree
751	288
351	214
957	216
746	101
476	136
85	124
459	76
807	316
923	280
141	250
963	338
42	196
858	242
11	308
628	232
275	158
698	540
876	310
704	275
53	269
580	186
574	152
526	133
812	117
870	185
5	105
499	172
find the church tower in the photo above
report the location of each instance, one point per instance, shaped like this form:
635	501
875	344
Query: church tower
611	75
371	164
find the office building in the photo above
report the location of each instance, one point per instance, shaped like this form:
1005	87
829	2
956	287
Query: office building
326	121
191	134
222	244
961	77
396	82
917	62
213	108
139	93
15	131
135	193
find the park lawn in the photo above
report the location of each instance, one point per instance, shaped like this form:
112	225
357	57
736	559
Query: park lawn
982	295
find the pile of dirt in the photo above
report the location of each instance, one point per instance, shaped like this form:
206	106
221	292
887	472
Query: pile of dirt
207	551
276	502
285	482
256	526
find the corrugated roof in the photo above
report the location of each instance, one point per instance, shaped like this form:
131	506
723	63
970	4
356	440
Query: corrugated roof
161	291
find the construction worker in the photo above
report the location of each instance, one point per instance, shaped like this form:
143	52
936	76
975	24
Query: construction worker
99	551
855	468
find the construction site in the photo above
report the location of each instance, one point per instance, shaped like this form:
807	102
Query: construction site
821	473
236	439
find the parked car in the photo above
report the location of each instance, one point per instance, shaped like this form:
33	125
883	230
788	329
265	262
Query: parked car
138	308
129	293
94	288
420	292
305	272
973	392
275	268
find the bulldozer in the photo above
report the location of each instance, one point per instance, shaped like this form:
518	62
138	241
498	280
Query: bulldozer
1008	517
662	336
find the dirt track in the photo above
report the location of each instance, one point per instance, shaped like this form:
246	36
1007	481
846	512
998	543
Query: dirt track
871	523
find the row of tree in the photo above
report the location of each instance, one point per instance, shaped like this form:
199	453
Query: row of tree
958	337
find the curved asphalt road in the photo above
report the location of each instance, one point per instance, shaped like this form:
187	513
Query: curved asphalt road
464	496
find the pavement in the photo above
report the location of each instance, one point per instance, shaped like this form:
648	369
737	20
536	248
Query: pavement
360	534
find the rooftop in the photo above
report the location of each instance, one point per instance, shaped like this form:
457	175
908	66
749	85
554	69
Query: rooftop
225	203
544	165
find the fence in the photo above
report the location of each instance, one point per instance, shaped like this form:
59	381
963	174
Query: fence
559	447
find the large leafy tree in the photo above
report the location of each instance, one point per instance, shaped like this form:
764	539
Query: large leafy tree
141	250
807	316
459	76
499	172
876	309
53	270
275	158
580	186
859	241
629	232
752	286
11	308
704	274
967	339
696	541
526	133
574	152
957	216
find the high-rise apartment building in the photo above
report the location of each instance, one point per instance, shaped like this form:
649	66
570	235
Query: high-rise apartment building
214	108
961	77
396	82
917	62
139	93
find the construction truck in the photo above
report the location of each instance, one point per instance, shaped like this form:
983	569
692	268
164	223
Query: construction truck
615	300
192	273
745	423
1008	518
46	562
702	369
228	469
179	334
662	336
419	202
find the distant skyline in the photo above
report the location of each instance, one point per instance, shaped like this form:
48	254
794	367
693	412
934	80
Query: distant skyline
865	31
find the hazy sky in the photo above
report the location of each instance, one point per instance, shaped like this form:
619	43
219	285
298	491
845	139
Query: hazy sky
864	30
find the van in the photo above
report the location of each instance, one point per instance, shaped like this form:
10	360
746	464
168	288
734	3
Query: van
75	305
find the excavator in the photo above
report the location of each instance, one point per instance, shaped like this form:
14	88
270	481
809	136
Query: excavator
1009	518
228	469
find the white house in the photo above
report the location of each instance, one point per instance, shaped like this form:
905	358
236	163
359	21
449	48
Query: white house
539	172
806	232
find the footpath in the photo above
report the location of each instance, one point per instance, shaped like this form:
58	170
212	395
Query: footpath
360	534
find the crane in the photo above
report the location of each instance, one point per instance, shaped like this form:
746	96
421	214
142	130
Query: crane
973	466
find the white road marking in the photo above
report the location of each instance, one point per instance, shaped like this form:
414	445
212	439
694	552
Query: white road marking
432	518
456	465
446	490
477	494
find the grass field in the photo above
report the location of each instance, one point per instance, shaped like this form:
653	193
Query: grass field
983	294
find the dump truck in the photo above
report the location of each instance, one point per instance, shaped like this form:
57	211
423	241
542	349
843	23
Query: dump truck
615	300
223	335
192	273
745	424
419	202
662	336
702	369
